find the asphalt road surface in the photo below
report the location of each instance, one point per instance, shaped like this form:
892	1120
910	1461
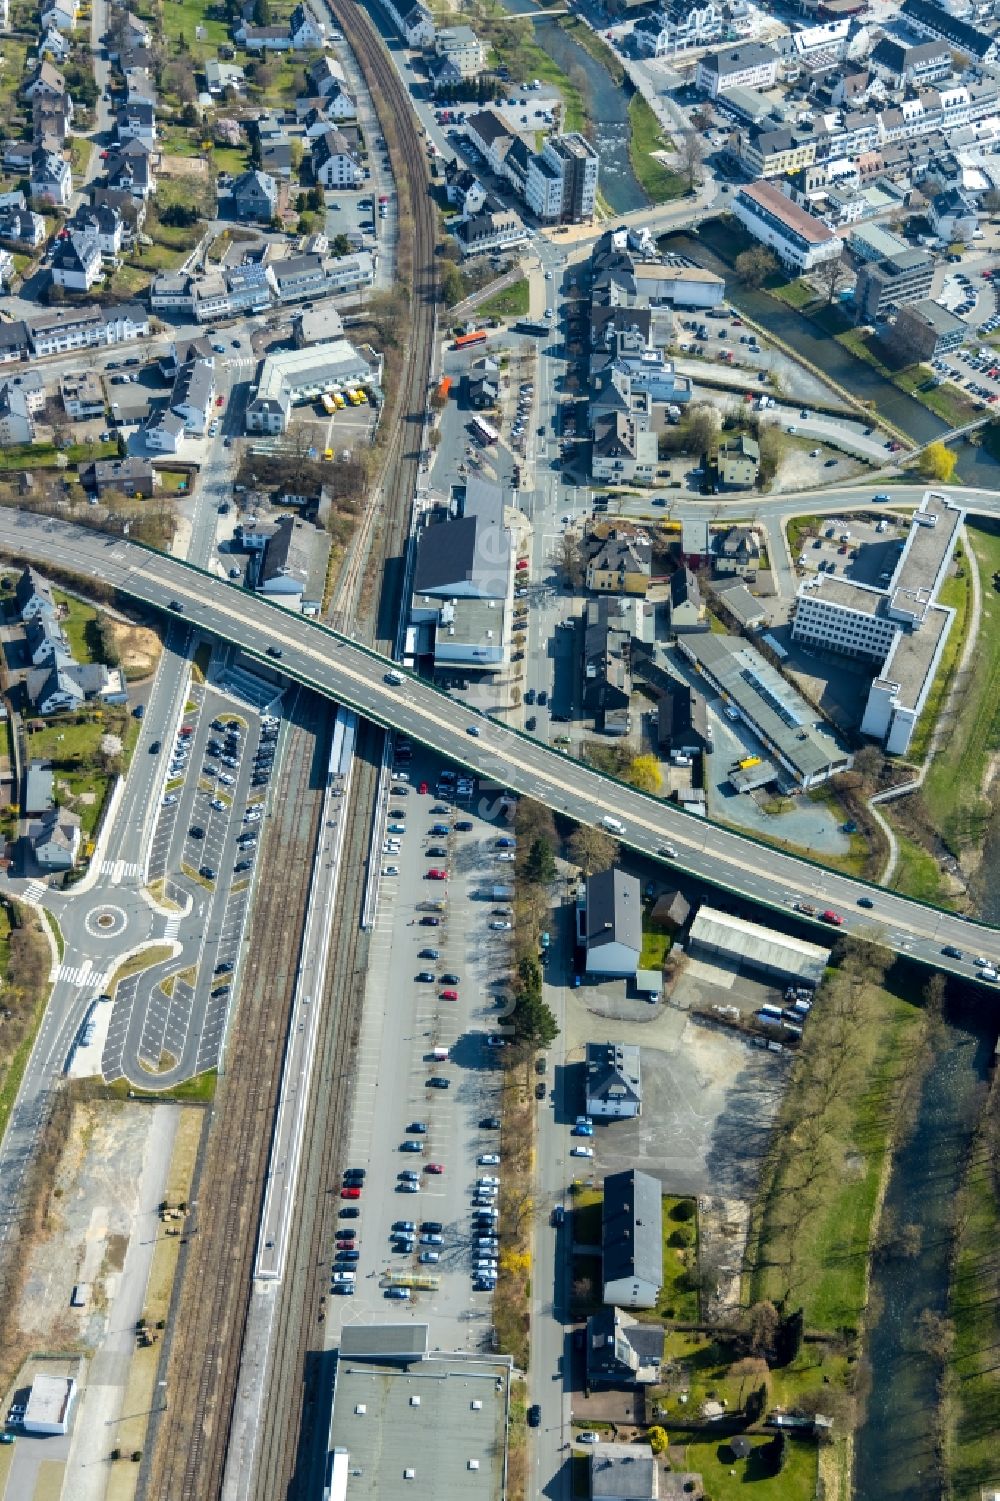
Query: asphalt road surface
343	671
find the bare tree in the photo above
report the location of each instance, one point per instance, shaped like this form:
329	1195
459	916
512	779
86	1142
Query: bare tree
592	849
832	276
690	155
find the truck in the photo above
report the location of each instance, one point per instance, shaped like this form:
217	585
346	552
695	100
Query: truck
613	825
501	893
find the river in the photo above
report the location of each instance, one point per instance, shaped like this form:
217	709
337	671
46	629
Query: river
802	335
894	1456
606	107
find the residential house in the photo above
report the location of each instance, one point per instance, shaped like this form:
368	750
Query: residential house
61	685
484	383
621	1351
334	163
622	455
632	1239
678	27
682	726
611	625
255	197
613	1080
54	45
736	463
952	215
736	552
129	168
63	329
105	224
22	227
164	431
54	839
930	20
131	211
276	159
76	261
33	594
920	64
687	609
293	568
610	923
136	120
45	640
619	562
220	76
14	342
263	38
45	82
38	789
491	228
22	397
82	395
560	183
7	267
460	46
415	22
193	395
325	75
297	277
305	31
51	180
132	476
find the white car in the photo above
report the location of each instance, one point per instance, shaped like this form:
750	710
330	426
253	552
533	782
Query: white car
269	719
501	927
588	1436
170	799
581	1151
226	779
391	870
487	1182
488	1159
507	858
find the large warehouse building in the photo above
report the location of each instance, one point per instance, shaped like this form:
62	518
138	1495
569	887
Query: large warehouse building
416	1422
757	950
293	376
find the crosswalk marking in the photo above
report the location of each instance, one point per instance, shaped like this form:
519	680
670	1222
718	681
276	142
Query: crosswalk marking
34	890
172	928
120	870
79	974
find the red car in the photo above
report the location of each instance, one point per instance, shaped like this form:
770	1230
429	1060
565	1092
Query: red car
523	562
831	917
434	1167
448	995
423	789
220	401
436	874
350	1193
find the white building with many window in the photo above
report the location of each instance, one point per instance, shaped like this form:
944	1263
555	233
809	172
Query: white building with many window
798	238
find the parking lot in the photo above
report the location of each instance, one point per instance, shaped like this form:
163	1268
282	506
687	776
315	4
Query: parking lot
418	1220
216	769
865	549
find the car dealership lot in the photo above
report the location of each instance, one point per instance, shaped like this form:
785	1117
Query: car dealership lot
402	1124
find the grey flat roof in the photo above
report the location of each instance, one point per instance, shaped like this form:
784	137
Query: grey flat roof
780	714
928	549
383	1340
444	1418
853	596
911	655
759	945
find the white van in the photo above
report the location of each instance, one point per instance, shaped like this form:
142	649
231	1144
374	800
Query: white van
614	824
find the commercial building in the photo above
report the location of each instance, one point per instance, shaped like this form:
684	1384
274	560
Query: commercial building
923	330
870	242
614	1080
931	20
757	694
87	327
886	285
609	923
460	611
632	1240
622	453
293	565
293	376
755	949
561	182
798	238
897	626
619	562
49	1404
429	1424
459	46
751	65
82	395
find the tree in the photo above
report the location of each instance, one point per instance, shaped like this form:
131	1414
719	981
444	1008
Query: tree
761	1324
750	1369
261	13
991	201
701	427
658	1440
753	267
541	862
937	463
571	559
592	849
644	773
832	275
690	155
317	202
340	246
788	1339
452	284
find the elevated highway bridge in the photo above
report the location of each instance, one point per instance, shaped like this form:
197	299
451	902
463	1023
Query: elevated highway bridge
349	674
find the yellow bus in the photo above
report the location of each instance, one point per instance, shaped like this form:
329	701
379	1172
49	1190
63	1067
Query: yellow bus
326	401
339	401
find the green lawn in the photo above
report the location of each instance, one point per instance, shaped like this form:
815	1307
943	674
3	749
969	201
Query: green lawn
183	19
587	1209
229	159
797	294
512	302
811	1241
645	136
13	68
952	790
918	874
79	154
678	1296
655	947
148	258
518	51
727	1478
79	621
797	529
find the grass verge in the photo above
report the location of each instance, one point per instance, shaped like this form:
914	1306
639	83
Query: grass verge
135	963
816	1211
645	136
511	302
56	930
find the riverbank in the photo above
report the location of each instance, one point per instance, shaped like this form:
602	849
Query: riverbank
971	1398
656	179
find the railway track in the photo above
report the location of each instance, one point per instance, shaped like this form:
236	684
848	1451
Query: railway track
406	420
189	1446
289	1461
